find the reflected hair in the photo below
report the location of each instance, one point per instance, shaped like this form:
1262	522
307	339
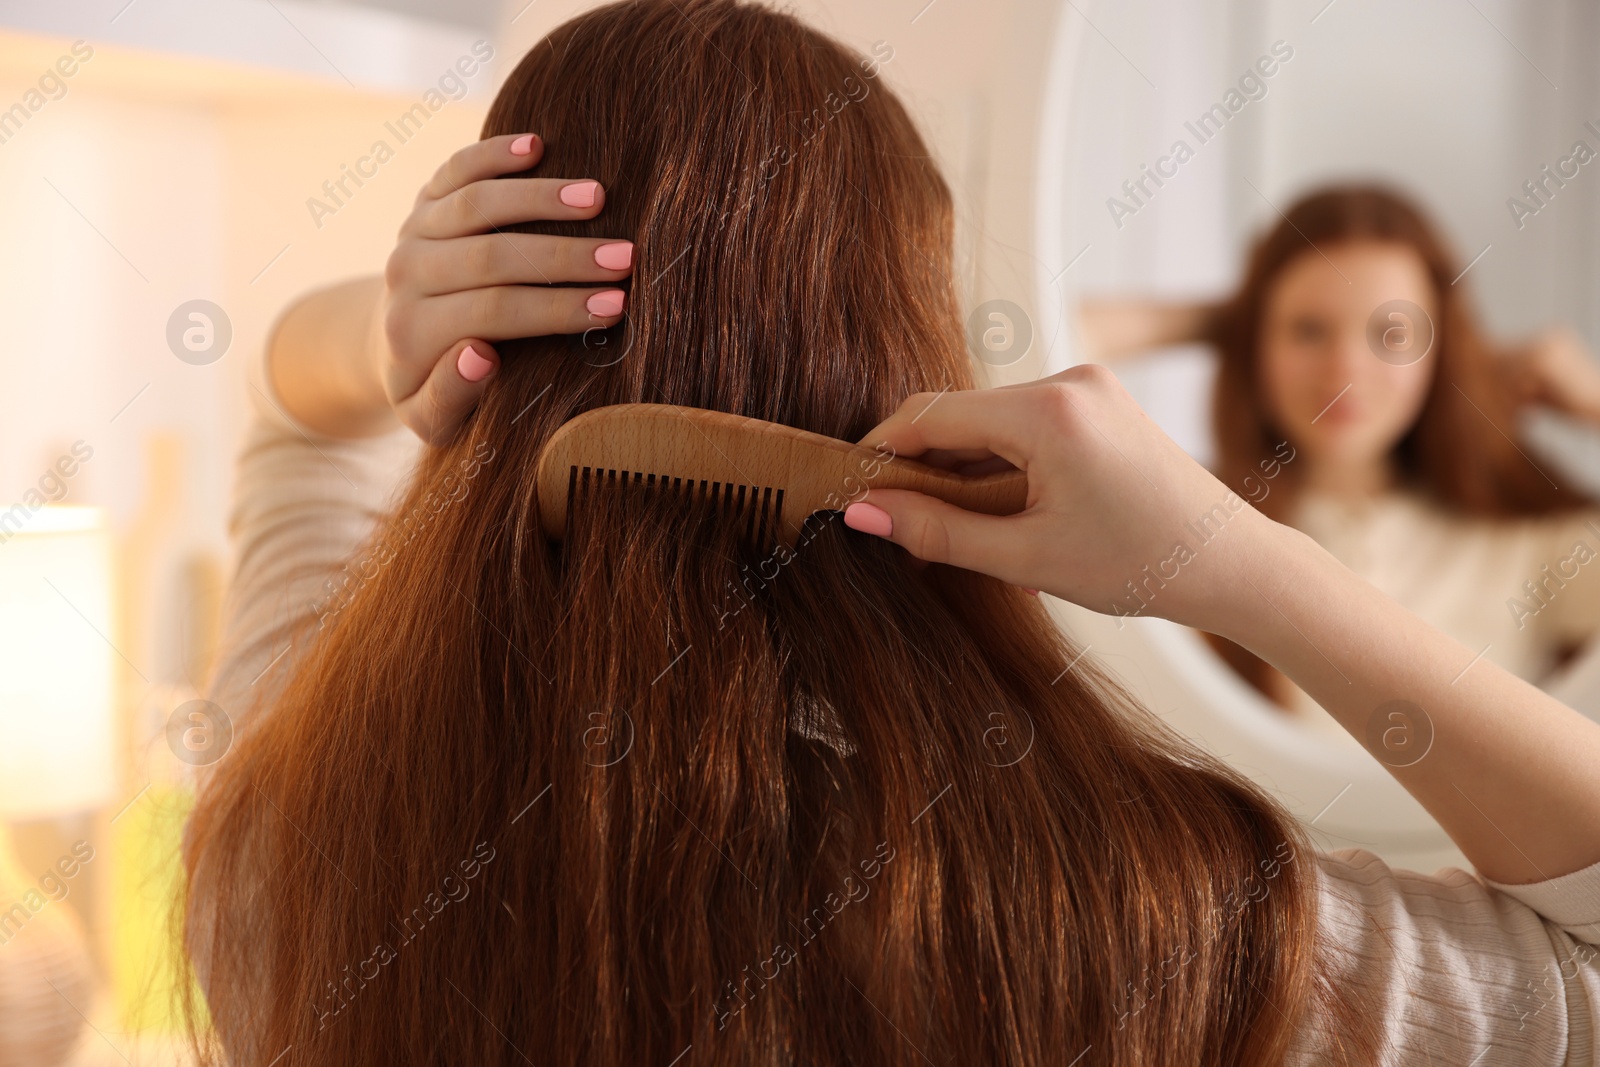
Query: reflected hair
698	807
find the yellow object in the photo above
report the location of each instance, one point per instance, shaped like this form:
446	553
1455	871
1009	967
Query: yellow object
147	963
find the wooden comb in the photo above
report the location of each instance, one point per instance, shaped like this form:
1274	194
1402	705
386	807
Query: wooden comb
763	475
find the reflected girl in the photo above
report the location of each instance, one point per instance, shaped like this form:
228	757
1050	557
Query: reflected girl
1358	400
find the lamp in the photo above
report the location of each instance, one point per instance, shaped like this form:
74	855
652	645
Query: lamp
56	701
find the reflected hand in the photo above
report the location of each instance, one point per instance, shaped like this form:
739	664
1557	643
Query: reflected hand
1111	500
1557	369
453	284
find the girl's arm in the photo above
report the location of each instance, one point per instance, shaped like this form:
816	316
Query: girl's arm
1120	520
1115	328
323	357
1510	773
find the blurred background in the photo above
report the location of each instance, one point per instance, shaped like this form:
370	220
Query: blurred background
172	173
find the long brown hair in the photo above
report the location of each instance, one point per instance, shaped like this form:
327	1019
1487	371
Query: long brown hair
650	795
1452	453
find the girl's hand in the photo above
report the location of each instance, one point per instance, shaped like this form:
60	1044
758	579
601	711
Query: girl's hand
1554	368
1119	519
452	285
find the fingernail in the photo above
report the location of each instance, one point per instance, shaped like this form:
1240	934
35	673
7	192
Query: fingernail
522	145
579	194
868	518
473	367
615	256
1030	592
605	304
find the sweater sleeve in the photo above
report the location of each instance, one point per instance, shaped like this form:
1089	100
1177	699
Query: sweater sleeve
302	505
1454	968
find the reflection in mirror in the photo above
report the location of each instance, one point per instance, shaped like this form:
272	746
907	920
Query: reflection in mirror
1346	258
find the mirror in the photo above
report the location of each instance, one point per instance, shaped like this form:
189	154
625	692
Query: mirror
1175	134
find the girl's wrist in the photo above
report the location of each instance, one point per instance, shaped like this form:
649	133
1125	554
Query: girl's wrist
1189	322
1589	410
323	364
369	374
1269	557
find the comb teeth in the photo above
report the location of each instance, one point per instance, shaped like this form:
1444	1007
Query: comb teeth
756	510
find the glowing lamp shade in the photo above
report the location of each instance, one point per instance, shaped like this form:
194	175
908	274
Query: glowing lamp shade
56	663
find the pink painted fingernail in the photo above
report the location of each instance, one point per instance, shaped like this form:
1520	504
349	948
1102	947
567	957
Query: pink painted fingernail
579	194
605	304
1030	592
523	145
615	256
868	518
473	367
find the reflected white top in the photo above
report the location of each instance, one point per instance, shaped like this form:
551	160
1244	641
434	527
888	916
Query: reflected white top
1457	970
1523	591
